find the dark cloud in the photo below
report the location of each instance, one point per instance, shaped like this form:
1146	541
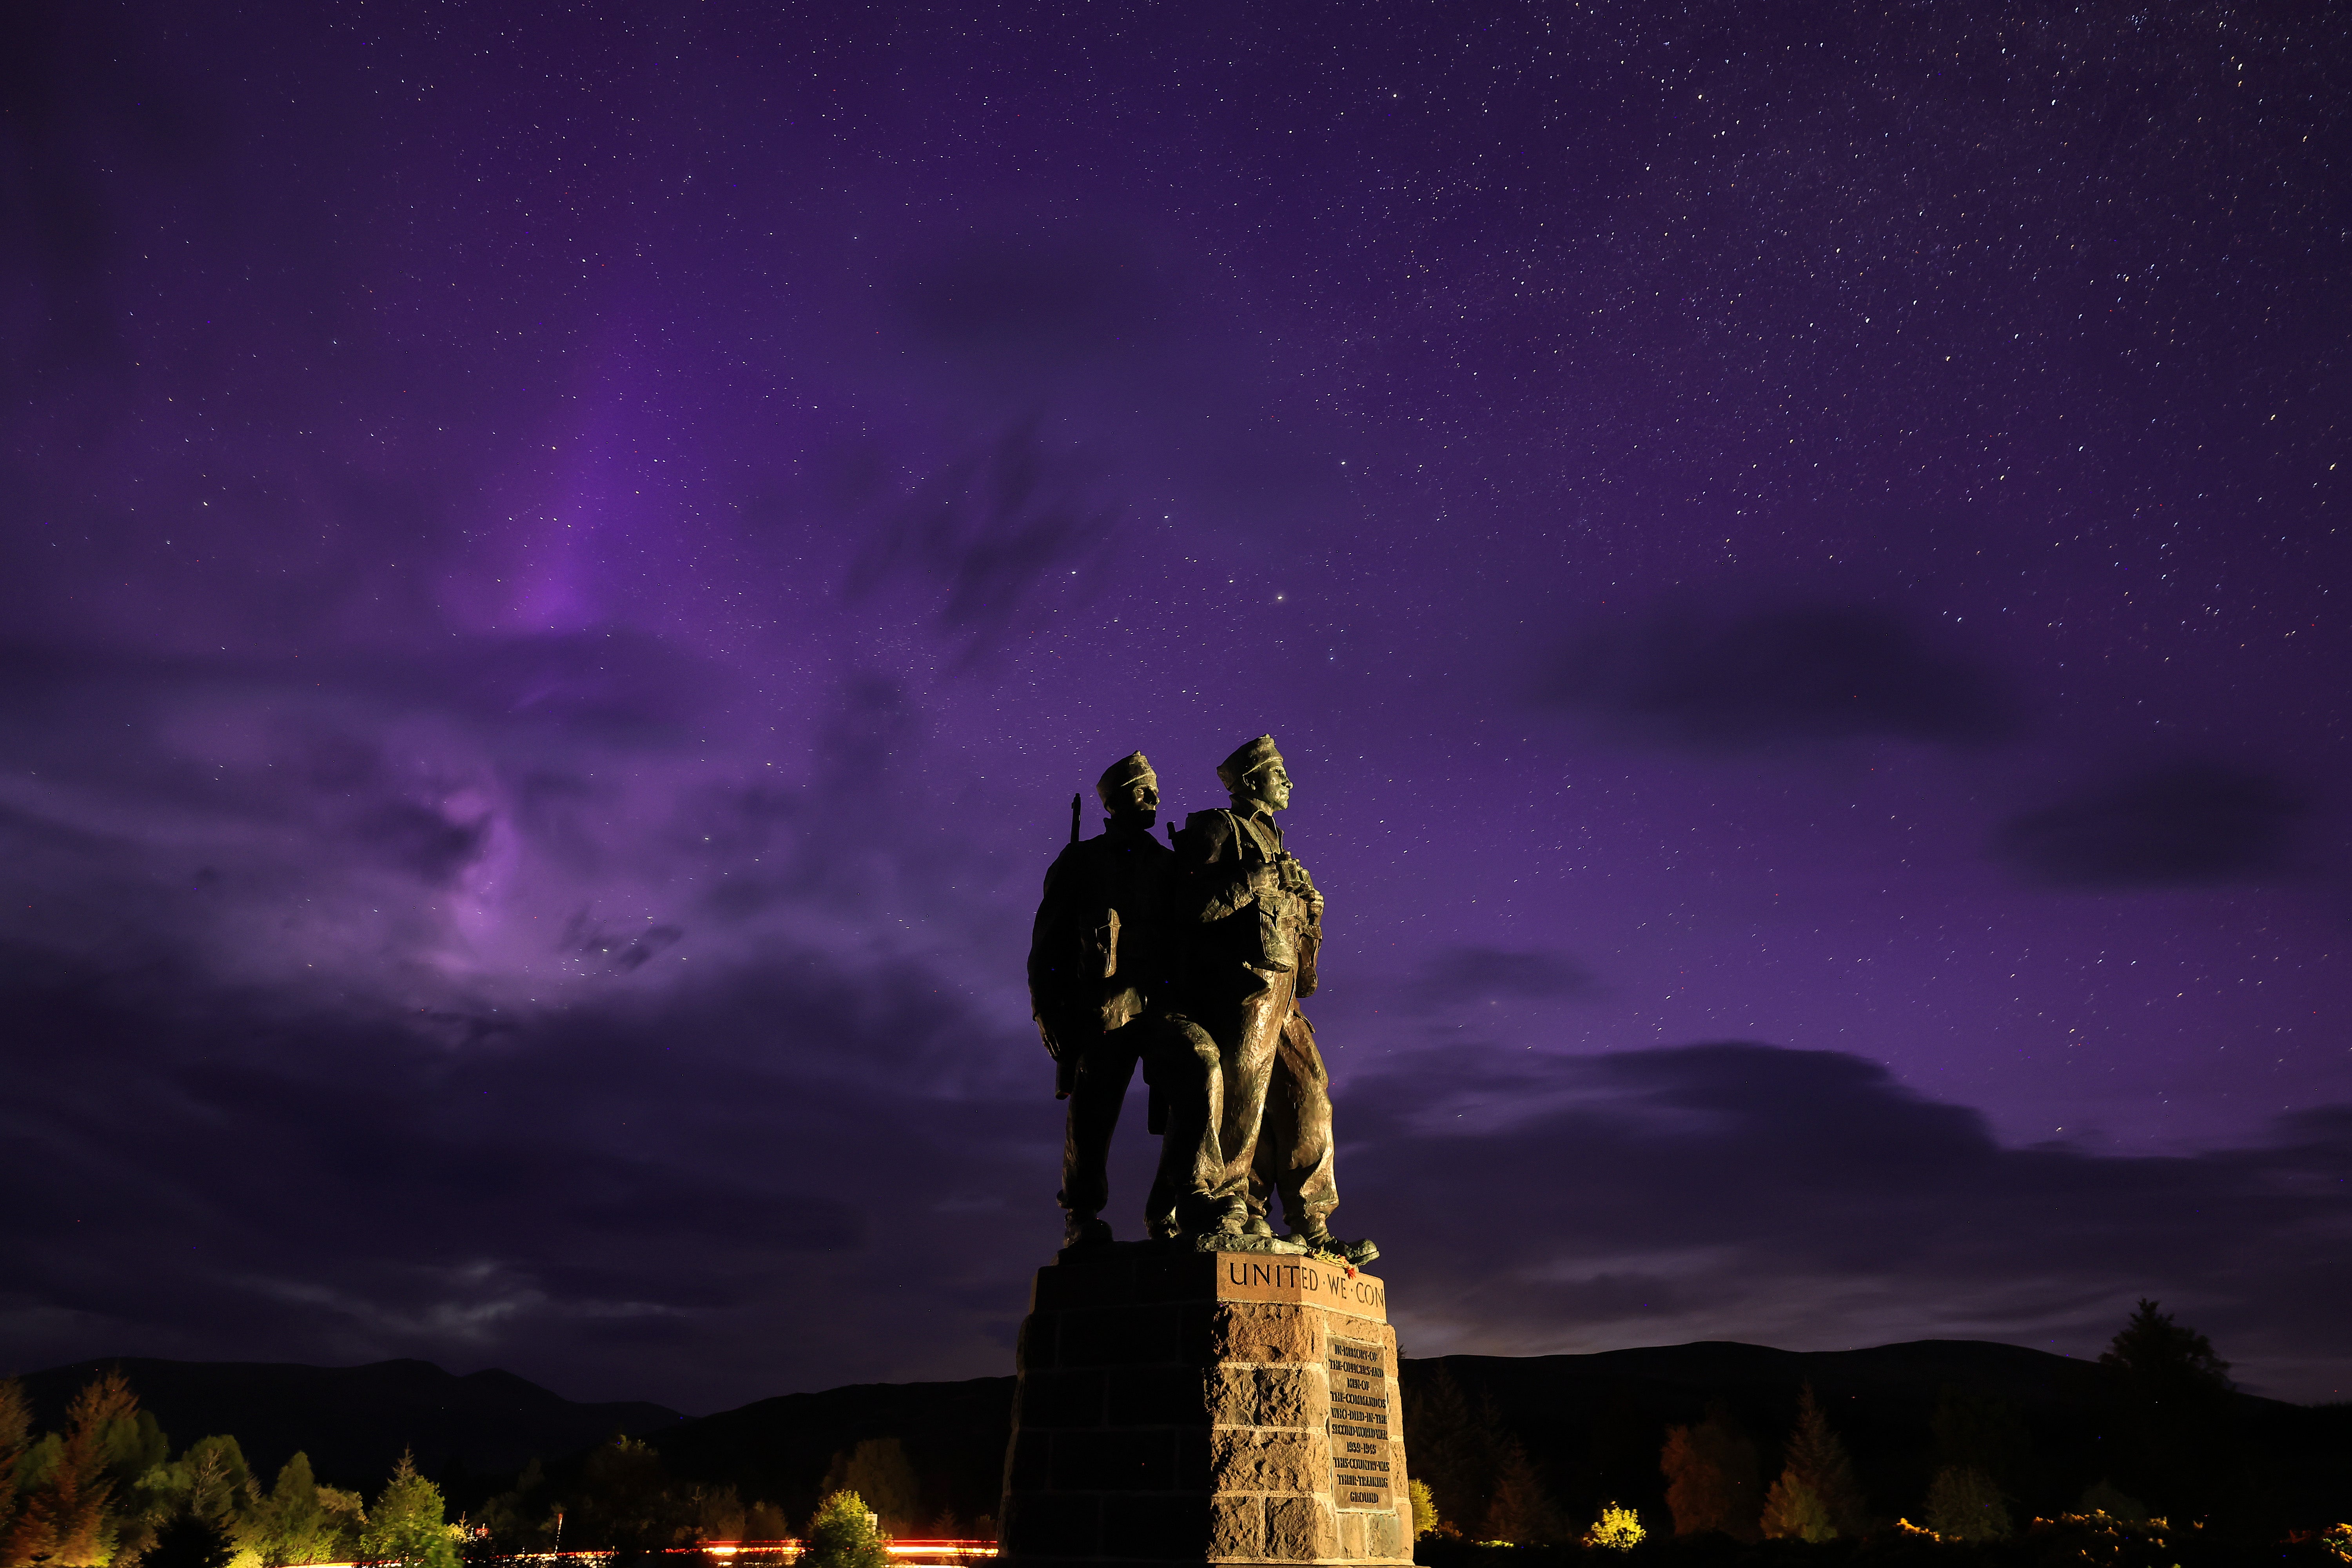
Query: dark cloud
1744	678
989	539
1460	977
719	1180
2178	827
734	1190
421	840
1743	1190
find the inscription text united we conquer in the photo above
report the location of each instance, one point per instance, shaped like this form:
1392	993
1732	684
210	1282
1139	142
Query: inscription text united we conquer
1248	1278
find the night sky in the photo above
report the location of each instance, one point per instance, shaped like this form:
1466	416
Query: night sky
559	569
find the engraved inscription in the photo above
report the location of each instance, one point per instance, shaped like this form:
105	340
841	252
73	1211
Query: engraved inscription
1242	1277
1362	1444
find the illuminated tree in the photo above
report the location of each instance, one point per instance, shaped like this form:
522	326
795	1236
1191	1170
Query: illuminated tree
842	1535
1816	1498
1617	1530
63	1516
291	1525
408	1525
1711	1479
1425	1507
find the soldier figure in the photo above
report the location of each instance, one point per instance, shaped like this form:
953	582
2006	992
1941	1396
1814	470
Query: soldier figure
1098	971
1249	922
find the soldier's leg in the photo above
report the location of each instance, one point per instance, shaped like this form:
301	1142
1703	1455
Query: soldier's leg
1300	1106
1188	1070
1256	1025
1097	1091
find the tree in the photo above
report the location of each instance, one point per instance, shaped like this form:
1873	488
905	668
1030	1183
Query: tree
1964	1503
1711	1478
1816	1498
2160	1355
409	1525
2173	1413
15	1440
290	1524
719	1514
765	1522
64	1516
1425	1507
630	1506
1617	1530
1984	1432
521	1520
842	1535
877	1469
1522	1511
1445	1446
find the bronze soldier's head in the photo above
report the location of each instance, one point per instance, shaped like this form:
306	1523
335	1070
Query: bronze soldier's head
1256	778
1129	791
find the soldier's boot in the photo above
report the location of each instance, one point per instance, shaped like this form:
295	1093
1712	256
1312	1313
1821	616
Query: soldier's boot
1229	1230
1085	1230
1256	1226
1315	1237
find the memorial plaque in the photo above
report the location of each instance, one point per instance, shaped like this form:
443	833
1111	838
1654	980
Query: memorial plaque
1361	1443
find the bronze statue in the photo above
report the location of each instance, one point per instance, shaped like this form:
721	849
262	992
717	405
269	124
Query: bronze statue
1099	966
1248	922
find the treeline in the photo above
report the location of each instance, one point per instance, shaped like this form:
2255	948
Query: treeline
622	1498
2167	1446
107	1492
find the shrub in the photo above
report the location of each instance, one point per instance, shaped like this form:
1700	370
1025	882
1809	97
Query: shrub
842	1535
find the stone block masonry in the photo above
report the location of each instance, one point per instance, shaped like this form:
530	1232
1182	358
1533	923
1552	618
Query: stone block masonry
1179	1407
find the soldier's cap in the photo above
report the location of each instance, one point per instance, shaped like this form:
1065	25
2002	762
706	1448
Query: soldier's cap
1123	772
1251	757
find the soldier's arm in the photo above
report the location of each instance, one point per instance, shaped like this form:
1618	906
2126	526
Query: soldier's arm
1216	880
1051	949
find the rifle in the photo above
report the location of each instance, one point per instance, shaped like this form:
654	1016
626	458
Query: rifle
1074	816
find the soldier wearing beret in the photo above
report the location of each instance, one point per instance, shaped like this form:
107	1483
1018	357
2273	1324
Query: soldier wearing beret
1246	1088
1098	971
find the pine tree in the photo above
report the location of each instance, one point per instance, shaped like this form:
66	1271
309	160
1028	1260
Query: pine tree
1445	1445
66	1519
408	1524
291	1525
1522	1511
2177	1440
1816	1498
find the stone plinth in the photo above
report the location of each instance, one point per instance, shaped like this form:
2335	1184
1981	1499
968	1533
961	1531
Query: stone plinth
1179	1407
